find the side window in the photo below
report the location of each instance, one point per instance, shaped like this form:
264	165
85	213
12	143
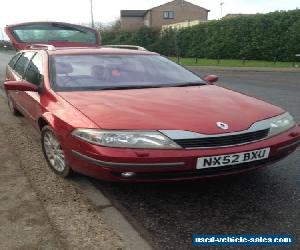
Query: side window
33	73
22	63
14	60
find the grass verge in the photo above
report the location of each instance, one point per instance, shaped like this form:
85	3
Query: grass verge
234	63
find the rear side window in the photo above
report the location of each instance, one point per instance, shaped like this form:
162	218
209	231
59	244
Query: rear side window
14	60
34	69
22	63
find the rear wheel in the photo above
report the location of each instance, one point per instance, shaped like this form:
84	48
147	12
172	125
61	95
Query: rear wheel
12	107
53	153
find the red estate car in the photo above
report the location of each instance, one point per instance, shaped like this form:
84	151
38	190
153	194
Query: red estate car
133	115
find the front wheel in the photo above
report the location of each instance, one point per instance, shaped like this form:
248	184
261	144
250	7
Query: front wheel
53	153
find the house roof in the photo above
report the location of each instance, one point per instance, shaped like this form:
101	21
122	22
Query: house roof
133	13
142	13
197	6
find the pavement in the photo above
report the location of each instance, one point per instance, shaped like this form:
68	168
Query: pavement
166	215
39	210
24	224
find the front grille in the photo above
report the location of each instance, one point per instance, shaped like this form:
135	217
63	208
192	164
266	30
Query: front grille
223	141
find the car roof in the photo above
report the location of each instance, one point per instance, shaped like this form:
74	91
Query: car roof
100	50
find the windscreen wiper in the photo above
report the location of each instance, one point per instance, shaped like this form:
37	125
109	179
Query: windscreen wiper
155	86
187	84
133	87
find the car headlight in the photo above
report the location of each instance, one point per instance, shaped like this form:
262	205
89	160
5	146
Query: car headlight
281	123
126	139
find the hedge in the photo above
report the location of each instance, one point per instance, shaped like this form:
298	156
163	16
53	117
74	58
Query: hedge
273	36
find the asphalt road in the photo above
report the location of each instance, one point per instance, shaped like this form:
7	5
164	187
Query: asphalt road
263	202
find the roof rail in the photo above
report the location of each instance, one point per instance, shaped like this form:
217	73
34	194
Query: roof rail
133	47
42	46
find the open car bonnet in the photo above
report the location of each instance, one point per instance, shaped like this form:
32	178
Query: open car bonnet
58	34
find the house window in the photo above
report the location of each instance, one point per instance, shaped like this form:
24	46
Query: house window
169	14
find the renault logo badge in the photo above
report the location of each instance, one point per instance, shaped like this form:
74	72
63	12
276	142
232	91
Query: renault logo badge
222	125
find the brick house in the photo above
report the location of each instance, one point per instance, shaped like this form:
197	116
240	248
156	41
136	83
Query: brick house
169	13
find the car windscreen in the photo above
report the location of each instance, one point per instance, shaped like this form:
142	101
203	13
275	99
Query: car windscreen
90	72
53	32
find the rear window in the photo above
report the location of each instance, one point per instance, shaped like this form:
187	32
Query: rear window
54	32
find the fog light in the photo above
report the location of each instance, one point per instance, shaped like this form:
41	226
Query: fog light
128	174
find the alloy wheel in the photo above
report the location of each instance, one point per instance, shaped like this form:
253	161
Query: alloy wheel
53	152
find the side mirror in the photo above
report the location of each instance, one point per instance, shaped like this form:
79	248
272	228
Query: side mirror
211	79
20	85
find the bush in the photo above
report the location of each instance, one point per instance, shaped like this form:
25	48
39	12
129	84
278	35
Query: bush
259	37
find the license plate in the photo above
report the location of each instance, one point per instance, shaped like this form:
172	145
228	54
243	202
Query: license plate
232	159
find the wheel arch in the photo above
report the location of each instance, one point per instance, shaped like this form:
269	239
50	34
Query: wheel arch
45	120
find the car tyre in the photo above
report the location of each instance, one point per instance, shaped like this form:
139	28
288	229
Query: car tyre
12	107
54	154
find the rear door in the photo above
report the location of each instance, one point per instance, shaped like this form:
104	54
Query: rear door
52	33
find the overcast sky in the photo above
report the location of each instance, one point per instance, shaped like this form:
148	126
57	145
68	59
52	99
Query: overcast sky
78	11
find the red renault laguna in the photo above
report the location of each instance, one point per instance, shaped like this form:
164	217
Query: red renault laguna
133	115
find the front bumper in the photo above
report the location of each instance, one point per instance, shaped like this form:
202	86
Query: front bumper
168	165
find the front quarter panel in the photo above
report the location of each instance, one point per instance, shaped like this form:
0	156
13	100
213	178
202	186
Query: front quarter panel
62	116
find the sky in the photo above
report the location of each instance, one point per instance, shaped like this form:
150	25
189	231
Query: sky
105	11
